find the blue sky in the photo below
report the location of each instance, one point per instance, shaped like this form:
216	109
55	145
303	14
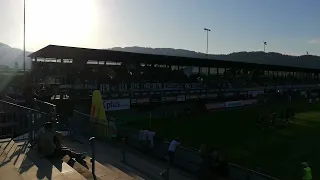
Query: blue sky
288	26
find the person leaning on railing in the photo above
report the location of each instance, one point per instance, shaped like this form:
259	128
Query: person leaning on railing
306	171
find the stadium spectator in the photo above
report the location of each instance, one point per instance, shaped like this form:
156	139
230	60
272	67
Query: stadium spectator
310	100
146	138
306	171
222	166
49	144
143	138
172	149
151	135
203	151
205	171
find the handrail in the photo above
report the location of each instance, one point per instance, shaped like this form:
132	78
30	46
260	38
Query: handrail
25	108
256	172
44	102
89	116
81	113
10	98
22	107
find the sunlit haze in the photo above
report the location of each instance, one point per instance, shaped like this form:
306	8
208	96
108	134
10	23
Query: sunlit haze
289	26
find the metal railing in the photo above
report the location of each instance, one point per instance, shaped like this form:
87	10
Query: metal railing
22	120
186	158
82	126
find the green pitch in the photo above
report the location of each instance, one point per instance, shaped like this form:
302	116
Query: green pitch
275	151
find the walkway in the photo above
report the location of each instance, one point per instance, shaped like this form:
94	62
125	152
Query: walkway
141	165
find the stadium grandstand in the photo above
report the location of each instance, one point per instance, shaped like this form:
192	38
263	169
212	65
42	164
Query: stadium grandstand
172	96
125	73
147	79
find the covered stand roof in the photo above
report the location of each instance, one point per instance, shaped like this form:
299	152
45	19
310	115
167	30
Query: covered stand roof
81	54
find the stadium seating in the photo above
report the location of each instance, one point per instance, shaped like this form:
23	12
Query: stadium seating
123	73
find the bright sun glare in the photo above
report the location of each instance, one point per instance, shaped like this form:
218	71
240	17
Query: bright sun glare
65	22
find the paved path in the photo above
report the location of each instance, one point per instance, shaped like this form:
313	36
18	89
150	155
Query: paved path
110	155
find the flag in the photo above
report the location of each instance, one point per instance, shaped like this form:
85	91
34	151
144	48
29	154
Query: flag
98	115
97	108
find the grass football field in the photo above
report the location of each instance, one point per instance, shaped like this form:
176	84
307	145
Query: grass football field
275	151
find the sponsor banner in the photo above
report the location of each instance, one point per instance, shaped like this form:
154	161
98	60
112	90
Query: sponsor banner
155	99
181	98
79	86
212	95
202	96
169	99
212	106
213	90
116	104
231	104
104	88
252	89
133	101
142	100
192	97
249	102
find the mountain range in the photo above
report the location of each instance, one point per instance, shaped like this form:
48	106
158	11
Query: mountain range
11	56
259	57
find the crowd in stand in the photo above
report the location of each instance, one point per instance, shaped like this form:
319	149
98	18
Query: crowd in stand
216	78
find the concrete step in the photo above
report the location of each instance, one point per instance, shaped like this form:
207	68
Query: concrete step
17	163
58	170
81	168
8	172
102	171
27	164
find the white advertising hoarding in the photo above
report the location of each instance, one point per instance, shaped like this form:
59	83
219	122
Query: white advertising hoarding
116	104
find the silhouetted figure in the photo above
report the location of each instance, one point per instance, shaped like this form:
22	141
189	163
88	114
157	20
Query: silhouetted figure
172	149
49	144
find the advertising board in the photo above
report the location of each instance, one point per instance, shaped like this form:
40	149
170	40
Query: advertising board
231	104
249	102
140	101
213	106
181	98
116	104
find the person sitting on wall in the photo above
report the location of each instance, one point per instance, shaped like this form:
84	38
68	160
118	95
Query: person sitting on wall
49	144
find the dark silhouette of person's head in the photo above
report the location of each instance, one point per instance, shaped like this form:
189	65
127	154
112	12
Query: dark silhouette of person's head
177	139
48	126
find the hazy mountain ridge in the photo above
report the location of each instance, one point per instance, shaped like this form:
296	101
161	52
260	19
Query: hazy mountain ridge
9	56
307	61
